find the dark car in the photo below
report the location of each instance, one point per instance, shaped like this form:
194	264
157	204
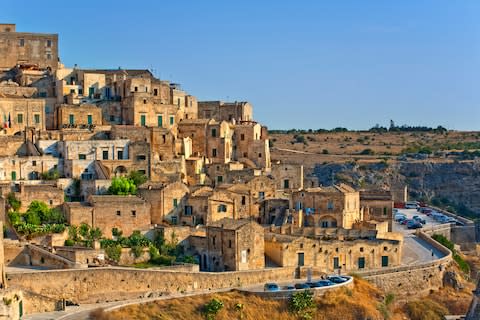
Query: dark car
301	286
418	219
406	221
414	225
337	279
271	287
320	283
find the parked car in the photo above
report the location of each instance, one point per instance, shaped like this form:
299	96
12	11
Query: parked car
399	217
288	287
414	225
320	283
417	218
337	279
271	287
406	221
301	286
411	205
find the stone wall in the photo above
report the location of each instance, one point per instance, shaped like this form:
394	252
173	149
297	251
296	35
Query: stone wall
413	280
107	284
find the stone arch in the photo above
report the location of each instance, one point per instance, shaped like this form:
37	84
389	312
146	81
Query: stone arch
327	221
120	171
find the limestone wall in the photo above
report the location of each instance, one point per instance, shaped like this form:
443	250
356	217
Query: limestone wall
107	284
413	280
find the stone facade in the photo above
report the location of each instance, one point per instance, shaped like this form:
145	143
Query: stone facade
27	48
78	116
377	205
225	111
328	207
127	213
287	176
234	245
332	255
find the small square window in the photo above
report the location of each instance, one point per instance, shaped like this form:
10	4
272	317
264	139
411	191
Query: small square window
119	213
21	42
134	213
49	43
34	163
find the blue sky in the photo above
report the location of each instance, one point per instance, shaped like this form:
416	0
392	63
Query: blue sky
302	64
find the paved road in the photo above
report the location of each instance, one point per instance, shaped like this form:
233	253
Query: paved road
416	250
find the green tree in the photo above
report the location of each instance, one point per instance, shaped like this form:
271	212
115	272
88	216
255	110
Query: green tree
212	308
13	202
302	304
137	177
40	209
95	233
33	218
122	186
84	230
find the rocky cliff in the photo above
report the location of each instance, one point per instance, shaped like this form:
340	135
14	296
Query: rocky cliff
449	183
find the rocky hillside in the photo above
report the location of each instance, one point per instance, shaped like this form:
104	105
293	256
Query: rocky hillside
444	183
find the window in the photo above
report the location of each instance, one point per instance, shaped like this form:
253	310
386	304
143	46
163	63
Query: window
49	56
144	101
21	42
361	249
136	89
213	241
330	205
174	220
134	213
188	210
261	195
172	120
160	121
80	91
34	163
112	118
42	94
222	208
82	157
336	263
89	119
120	154
178	102
91	91
286	184
49	43
143	120
105	154
72	90
119	213
385	211
324	224
36	118
14	175
242	137
20	118
361	263
244	200
384	261
71	119
229	243
175	203
385	248
214	152
214	132
155	92
220	179
259	155
141	157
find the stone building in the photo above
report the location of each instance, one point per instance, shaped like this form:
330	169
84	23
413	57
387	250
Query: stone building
81	116
337	206
225	111
251	142
27	48
345	251
127	213
27	193
287	176
377	205
234	245
166	200
18	113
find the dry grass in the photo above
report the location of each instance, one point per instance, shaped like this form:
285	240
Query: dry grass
360	303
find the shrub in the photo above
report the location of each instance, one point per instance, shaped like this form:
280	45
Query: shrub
463	265
69	243
122	186
137	251
137	177
163	260
367	152
212	308
302	304
13	202
114	252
